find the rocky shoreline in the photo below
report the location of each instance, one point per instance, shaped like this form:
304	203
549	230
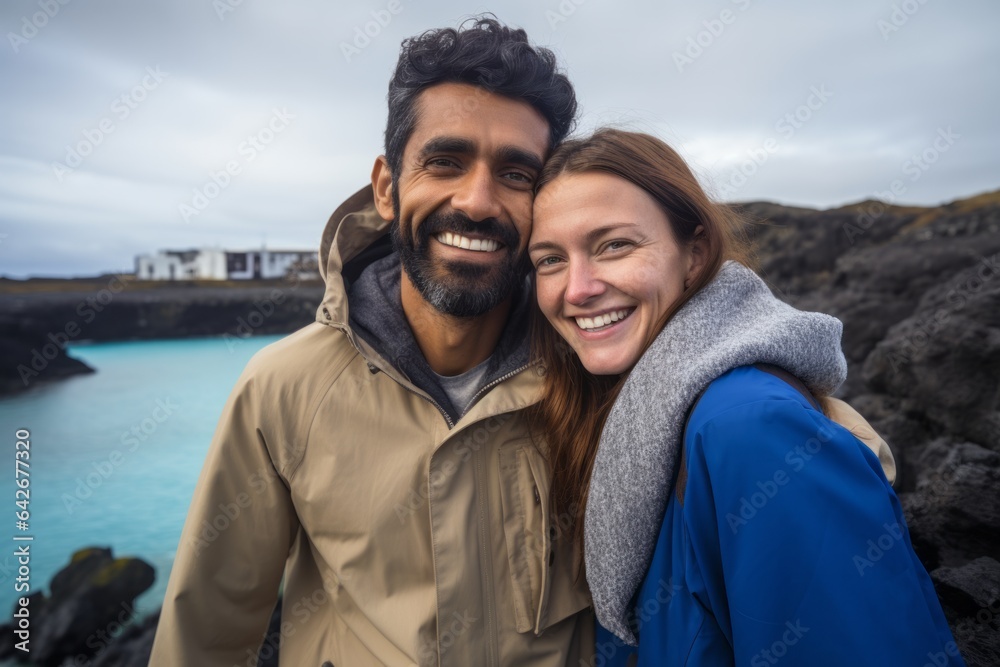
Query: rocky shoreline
918	290
38	323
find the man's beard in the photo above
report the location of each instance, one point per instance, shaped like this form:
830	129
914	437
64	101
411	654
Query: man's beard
460	289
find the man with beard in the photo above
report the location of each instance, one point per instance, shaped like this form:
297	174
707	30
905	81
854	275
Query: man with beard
379	460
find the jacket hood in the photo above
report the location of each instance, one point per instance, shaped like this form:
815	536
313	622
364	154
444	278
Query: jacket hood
354	237
734	321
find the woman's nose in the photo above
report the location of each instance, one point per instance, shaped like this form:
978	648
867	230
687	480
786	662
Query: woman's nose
584	283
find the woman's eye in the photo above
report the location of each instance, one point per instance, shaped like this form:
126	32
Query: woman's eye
617	245
547	261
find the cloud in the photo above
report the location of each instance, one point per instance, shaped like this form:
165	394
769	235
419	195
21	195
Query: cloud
227	71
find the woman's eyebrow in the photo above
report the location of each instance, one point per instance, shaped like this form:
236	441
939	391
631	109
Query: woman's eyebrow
544	245
589	237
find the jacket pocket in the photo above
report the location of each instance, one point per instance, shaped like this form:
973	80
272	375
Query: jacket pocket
542	563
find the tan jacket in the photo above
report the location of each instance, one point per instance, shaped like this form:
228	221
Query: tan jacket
402	541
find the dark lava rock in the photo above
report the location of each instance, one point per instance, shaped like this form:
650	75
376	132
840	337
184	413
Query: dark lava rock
89	605
954	513
971	598
28	356
946	356
130	649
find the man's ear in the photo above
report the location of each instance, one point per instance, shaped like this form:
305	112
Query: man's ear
382	185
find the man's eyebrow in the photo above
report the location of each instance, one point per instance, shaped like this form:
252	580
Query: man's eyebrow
519	156
447	145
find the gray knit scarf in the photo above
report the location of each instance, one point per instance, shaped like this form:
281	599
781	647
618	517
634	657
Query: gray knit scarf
734	321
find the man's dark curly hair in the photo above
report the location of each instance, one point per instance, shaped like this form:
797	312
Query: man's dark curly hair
485	53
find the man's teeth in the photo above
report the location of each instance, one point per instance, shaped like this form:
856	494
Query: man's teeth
459	241
601	320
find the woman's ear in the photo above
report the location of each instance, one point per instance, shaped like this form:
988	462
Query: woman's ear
697	256
382	185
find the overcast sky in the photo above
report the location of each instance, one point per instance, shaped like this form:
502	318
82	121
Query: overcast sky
116	114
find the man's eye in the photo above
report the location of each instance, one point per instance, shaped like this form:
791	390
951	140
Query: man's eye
442	162
519	177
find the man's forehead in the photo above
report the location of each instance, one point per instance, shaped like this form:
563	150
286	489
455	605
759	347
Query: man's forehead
471	118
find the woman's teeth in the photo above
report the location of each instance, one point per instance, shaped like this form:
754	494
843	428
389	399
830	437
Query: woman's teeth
601	321
459	241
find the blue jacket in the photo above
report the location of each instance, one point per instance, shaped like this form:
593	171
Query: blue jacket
784	544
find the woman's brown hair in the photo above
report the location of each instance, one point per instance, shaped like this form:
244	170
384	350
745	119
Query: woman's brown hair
575	403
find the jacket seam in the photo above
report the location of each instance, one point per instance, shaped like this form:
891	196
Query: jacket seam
718	415
294	462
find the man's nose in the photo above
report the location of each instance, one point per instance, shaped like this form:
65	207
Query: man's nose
584	283
477	196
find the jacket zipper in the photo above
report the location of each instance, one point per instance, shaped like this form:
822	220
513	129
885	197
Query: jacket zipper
495	383
486	548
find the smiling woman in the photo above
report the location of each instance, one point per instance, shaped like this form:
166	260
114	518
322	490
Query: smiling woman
726	500
607	266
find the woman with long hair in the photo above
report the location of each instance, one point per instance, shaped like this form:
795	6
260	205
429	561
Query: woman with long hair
725	518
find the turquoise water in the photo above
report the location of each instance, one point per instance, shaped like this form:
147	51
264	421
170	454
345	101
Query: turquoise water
115	455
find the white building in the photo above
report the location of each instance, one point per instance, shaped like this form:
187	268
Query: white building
217	264
266	264
200	264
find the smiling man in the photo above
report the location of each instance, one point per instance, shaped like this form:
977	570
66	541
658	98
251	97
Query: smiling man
379	461
460	200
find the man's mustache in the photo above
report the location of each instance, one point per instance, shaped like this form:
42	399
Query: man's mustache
490	228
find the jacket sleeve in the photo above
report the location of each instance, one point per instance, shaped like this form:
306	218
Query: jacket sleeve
224	581
803	547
